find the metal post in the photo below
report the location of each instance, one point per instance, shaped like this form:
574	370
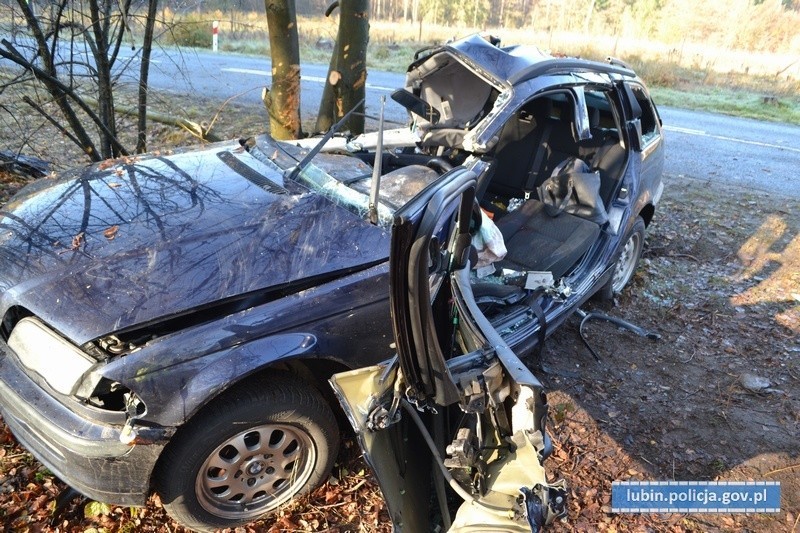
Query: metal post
215	35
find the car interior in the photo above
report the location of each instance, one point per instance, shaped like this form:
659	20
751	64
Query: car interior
447	100
532	145
539	137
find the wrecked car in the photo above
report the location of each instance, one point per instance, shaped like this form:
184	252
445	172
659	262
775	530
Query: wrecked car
170	323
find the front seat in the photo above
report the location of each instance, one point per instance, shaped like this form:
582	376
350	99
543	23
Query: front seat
536	241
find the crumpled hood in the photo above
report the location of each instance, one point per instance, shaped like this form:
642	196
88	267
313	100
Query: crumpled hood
127	242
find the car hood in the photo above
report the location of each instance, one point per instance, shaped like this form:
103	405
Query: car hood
127	242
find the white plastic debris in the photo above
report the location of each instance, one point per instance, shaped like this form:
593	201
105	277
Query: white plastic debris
754	383
488	242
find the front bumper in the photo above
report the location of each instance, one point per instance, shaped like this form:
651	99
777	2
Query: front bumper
84	453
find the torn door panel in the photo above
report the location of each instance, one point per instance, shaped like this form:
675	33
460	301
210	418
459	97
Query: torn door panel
456	401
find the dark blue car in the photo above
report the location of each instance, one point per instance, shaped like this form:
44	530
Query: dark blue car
169	323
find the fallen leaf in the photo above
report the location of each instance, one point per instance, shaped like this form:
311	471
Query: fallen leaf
77	241
111	232
94	509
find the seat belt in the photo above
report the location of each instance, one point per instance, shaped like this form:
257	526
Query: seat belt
533	173
532	301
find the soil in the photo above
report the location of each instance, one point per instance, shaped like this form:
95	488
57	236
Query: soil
719	281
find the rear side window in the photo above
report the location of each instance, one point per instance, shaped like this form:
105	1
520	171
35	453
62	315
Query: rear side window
601	113
650	131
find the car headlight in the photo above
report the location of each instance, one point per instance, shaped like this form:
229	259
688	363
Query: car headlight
44	352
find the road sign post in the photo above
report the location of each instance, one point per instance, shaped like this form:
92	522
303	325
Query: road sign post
215	35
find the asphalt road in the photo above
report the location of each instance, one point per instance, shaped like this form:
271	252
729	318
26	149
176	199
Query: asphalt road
724	150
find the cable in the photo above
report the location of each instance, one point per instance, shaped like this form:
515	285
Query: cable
466	496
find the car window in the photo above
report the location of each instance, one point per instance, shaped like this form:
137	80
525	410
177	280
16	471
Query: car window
649	118
601	111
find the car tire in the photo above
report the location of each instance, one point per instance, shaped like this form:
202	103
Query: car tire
626	263
250	451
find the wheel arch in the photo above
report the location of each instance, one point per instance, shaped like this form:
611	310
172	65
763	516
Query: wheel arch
313	371
647	213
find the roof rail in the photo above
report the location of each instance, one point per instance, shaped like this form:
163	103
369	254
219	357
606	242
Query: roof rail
618	62
555	65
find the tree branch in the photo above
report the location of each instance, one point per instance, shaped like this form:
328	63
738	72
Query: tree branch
63	90
51	120
144	72
57	92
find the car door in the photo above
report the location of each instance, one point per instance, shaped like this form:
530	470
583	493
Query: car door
643	126
455	414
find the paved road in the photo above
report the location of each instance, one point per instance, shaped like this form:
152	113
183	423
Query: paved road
759	155
223	76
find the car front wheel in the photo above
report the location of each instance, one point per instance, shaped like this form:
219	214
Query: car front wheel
250	451
626	263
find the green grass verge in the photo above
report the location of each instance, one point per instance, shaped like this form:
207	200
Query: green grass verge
736	102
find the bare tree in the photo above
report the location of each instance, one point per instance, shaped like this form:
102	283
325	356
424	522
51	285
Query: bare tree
71	51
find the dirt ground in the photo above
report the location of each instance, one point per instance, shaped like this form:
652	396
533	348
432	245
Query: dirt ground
720	281
717	398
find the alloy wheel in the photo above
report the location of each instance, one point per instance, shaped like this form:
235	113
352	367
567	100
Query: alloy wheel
255	471
626	264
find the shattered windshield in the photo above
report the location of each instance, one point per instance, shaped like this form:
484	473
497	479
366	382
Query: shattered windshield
345	178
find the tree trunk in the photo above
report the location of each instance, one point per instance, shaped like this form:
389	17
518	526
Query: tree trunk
283	100
144	71
347	75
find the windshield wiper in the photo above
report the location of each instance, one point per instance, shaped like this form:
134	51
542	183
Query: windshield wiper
293	172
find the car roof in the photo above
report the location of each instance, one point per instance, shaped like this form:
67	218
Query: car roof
514	65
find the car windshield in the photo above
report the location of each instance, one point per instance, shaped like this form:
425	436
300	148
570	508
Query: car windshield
332	175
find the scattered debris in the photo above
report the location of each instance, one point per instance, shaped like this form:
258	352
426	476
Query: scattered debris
754	383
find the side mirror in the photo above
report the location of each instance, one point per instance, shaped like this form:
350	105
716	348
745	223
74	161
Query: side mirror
416	105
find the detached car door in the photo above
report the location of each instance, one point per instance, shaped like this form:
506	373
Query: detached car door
455	416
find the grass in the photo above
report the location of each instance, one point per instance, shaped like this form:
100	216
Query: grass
736	102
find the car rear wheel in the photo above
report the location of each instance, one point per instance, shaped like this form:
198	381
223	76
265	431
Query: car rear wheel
249	452
627	262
